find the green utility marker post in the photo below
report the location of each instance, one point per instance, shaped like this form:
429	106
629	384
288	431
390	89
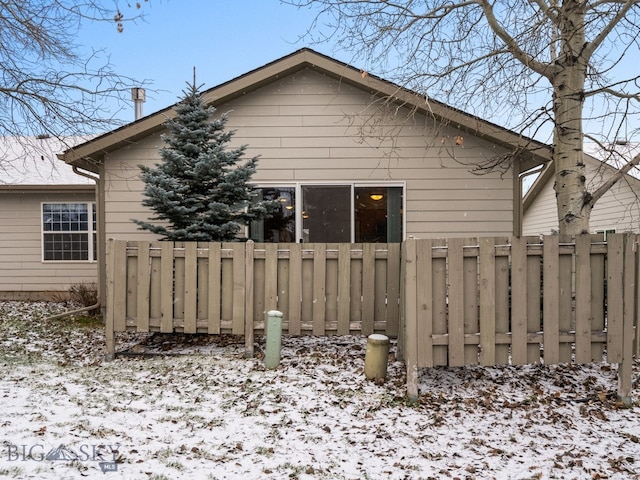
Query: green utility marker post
274	339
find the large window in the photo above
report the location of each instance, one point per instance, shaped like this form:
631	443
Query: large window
69	232
332	213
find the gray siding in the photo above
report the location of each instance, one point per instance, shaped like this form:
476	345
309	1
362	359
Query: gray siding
309	127
23	271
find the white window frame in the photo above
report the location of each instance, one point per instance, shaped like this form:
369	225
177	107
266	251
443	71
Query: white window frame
354	184
91	232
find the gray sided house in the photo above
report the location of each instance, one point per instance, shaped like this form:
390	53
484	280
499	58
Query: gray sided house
351	157
47	226
618	211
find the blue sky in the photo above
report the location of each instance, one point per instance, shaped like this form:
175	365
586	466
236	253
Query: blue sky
221	38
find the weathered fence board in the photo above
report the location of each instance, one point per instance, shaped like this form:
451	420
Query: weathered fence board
519	300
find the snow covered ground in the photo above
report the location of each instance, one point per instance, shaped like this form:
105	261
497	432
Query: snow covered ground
202	411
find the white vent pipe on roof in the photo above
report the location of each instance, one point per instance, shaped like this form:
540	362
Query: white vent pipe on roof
138	96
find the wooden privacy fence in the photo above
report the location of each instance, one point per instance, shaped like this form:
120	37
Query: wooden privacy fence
451	302
217	288
496	301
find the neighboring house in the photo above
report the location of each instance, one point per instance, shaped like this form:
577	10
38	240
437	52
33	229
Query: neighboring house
351	157
618	210
47	222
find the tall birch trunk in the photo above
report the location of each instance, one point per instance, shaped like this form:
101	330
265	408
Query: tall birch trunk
573	199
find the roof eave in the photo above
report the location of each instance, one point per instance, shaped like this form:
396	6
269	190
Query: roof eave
80	188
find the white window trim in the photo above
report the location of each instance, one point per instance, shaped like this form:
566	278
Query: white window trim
91	206
354	184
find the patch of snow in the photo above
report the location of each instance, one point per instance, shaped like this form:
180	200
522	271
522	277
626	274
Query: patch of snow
196	408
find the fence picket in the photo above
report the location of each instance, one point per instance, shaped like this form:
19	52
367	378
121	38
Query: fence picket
344	285
239	288
355	306
455	295
190	287
248	316
566	319
120	288
534	297
471	305
424	302
215	287
583	299
597	297
166	281
411	309
439	301
131	301
143	286
393	288
270	279
368	288
502	300
615	297
487	269
625	368
519	310
295	289
155	287
283	286
551	300
202	268
331	290
319	287
380	285
110	299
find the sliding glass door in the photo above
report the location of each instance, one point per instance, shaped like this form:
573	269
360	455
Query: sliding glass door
326	213
342	213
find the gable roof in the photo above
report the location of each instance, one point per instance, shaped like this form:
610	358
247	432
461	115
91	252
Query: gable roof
29	163
90	154
611	159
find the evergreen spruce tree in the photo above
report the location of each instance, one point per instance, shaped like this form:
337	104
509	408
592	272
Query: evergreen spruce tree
200	189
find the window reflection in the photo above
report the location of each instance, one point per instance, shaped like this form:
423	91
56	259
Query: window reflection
332	213
281	227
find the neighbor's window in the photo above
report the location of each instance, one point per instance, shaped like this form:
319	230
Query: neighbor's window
606	232
69	232
332	213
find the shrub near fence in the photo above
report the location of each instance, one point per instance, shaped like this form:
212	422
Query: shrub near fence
227	288
495	301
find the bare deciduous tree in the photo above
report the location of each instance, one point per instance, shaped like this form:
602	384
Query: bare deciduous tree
564	69
49	86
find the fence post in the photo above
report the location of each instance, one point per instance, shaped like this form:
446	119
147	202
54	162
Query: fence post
410	327
625	368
